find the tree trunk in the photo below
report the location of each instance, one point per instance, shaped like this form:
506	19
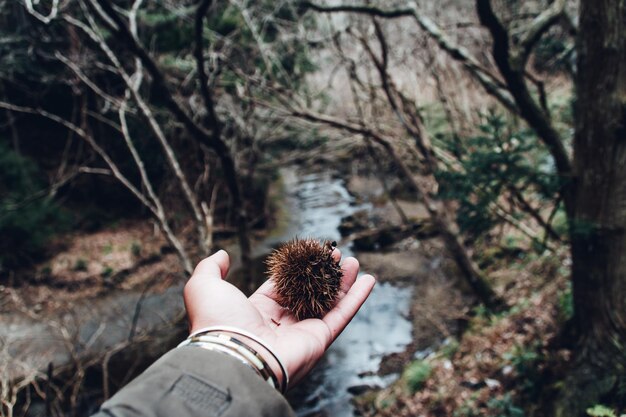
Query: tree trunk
599	224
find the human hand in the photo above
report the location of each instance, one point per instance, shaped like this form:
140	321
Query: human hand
211	301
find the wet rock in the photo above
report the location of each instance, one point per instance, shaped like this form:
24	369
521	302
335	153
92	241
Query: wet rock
362	389
395	362
387	236
356	222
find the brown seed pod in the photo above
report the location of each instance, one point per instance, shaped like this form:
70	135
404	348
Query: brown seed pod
306	276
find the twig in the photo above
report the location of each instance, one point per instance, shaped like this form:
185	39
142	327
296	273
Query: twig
54	10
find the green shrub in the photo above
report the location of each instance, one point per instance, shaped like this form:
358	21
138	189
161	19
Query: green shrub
28	218
500	159
416	375
526	360
469	408
80	265
450	348
107	249
107	271
135	249
504	407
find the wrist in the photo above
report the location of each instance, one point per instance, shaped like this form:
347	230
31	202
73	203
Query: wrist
251	341
247	347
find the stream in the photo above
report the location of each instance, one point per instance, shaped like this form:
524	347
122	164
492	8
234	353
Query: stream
312	206
316	202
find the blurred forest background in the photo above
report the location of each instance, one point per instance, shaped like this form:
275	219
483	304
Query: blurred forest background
479	148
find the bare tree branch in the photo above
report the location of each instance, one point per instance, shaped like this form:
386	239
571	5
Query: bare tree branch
114	170
447	228
521	101
54	10
535	30
80	74
106	11
133	83
203	79
491	84
528	108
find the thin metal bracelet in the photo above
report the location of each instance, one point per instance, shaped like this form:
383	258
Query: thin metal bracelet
248	352
232	349
245	333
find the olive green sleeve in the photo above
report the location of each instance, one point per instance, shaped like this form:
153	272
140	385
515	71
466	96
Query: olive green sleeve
194	382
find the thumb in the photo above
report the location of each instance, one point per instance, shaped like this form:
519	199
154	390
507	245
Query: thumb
214	267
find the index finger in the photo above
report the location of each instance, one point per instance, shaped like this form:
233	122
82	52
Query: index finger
338	318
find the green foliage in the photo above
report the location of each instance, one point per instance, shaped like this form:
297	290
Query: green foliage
526	360
559	223
27	217
494	163
523	359
135	249
107	271
551	53
450	348
386	402
166	31
503	407
81	265
416	375
469	408
600	410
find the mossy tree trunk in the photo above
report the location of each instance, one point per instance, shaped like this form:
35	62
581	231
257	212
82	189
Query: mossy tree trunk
598	226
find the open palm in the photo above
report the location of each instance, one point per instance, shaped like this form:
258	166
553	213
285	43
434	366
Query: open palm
211	301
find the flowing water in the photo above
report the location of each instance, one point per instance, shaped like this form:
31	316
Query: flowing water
316	202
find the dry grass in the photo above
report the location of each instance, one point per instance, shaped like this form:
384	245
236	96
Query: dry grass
123	257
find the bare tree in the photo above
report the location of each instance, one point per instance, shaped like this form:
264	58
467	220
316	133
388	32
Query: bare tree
213	139
205	127
589	181
407	113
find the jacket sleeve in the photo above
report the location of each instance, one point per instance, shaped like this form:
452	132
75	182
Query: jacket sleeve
194	382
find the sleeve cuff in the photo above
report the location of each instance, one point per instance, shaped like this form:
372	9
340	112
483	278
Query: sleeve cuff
192	382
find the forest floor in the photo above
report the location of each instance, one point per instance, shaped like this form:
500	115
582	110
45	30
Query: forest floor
496	365
88	265
463	361
481	364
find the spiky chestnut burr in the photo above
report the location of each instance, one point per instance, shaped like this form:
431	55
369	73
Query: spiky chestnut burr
306	277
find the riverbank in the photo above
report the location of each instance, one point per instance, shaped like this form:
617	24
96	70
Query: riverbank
98	331
418	307
463	361
498	366
439	302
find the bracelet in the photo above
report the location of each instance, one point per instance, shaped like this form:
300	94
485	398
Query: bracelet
237	349
229	329
212	338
